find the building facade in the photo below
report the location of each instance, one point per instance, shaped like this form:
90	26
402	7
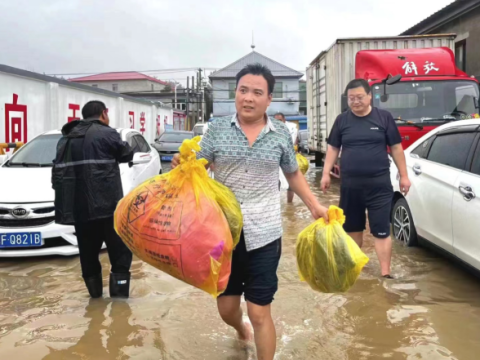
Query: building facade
122	82
462	17
286	98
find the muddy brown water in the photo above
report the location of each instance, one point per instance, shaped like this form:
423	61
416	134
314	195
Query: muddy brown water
431	311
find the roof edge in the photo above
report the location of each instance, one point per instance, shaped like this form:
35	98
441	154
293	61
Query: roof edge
36	76
442	16
212	75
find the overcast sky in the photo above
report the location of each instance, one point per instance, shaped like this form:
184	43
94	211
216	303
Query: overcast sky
80	36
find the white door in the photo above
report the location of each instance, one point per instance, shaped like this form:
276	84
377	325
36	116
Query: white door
143	172
466	214
430	201
434	173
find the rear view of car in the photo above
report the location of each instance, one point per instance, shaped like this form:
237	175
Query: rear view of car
169	142
200	129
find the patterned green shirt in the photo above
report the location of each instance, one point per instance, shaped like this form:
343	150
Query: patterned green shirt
252	173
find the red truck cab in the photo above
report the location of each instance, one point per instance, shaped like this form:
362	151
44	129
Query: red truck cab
431	92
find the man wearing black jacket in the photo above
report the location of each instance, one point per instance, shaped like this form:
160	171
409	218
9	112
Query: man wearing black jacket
87	184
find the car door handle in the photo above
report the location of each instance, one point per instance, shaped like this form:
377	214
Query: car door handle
467	193
417	169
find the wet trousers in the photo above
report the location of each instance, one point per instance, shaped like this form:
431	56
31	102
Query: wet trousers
91	236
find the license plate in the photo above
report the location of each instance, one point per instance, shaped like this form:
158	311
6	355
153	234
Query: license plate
20	240
167	158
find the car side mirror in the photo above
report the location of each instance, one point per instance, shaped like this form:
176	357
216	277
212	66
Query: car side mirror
394	79
140	158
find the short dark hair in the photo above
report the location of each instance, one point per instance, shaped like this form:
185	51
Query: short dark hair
258	69
280	114
358	83
93	109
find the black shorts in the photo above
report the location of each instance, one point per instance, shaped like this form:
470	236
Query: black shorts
376	200
254	273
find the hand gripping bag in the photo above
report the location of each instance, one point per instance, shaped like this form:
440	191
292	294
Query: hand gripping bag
328	259
183	223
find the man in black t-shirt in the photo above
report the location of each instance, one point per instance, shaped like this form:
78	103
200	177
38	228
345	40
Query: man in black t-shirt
363	134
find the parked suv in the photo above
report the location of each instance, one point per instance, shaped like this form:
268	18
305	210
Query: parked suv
443	205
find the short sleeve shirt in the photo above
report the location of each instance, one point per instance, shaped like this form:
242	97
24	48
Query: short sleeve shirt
251	172
364	142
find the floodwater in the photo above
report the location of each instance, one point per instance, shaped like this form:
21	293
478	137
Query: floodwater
432	311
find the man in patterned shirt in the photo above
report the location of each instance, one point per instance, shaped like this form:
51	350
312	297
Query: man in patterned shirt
247	150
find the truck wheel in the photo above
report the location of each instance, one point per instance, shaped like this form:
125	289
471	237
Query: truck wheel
402	223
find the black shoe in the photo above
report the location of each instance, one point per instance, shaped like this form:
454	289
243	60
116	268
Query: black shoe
94	285
388	276
119	285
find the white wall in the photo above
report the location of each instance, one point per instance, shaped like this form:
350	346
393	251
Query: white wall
43	106
290	90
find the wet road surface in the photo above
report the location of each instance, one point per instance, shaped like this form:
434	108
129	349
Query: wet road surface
432	310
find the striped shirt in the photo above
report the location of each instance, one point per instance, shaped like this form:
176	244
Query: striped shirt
251	172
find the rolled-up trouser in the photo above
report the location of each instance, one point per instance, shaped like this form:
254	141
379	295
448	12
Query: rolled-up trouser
90	236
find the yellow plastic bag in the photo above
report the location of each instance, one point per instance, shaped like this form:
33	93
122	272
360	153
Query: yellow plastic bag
327	258
303	164
183	223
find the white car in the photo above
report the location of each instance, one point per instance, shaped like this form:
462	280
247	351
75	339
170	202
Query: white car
27	211
443	205
200	129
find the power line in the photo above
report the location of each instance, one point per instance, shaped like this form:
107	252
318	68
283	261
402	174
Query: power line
173	70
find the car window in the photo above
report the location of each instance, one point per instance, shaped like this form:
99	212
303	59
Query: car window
451	149
476	161
133	143
142	144
422	149
172	137
41	151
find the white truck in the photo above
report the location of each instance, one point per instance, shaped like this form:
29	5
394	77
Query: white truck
330	72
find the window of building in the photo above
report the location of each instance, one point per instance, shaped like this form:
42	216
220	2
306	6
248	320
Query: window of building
115	87
278	90
95	85
152	87
461	55
452	149
231	90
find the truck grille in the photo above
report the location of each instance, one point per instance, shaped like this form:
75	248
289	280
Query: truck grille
12	223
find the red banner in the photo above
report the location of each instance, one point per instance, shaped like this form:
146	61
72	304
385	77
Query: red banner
15	122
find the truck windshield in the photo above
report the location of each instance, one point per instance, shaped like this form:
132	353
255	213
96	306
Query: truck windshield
430	101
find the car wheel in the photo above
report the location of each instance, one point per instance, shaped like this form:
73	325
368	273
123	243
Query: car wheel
402	221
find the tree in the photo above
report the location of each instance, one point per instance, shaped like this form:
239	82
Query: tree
167	88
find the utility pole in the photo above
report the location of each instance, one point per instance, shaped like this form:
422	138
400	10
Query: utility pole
186	107
200	92
198	96
193	101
